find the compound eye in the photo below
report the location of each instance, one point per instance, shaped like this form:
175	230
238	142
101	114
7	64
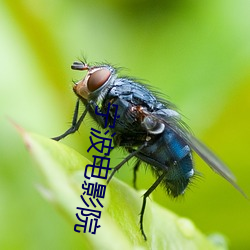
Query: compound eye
97	79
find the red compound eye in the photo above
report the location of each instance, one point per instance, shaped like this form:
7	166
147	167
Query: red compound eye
97	79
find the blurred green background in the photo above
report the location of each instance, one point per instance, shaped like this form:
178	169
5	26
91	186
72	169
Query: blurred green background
196	53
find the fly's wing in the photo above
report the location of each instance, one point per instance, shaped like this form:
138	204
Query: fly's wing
212	160
175	124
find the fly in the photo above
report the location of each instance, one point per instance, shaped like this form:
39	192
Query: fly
149	128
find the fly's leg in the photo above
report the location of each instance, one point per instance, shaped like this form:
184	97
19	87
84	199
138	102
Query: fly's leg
132	154
75	124
136	167
145	196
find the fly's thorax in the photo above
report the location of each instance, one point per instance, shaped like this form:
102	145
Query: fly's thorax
94	85
152	125
153	122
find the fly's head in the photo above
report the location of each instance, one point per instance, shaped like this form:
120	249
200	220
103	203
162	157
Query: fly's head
96	79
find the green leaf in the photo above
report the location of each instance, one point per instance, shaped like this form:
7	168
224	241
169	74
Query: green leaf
63	171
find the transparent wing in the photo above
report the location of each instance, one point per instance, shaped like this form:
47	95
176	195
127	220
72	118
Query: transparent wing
175	124
208	156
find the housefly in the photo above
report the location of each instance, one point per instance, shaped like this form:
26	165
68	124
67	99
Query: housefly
149	128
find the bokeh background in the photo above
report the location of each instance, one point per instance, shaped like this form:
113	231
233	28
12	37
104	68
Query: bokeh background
195	52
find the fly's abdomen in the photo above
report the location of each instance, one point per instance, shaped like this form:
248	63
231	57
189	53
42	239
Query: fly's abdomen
178	176
173	156
180	166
